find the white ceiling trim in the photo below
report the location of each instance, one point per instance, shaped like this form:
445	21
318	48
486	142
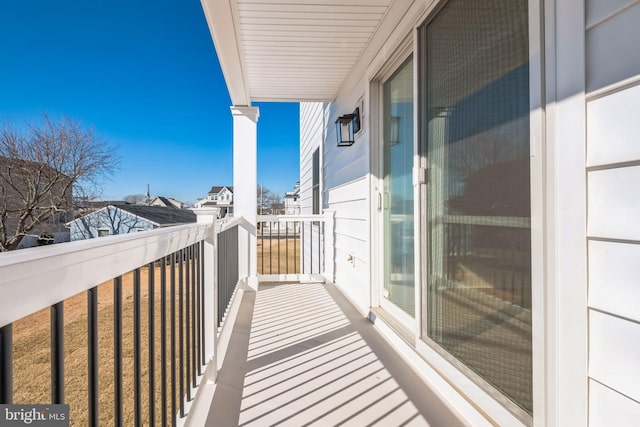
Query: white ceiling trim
219	15
299	50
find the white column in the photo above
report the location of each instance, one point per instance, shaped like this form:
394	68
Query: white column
245	187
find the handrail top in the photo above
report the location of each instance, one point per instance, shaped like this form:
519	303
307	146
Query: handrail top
285	218
40	252
32	279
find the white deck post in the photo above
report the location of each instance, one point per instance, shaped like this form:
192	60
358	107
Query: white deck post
209	216
198	409
245	183
329	245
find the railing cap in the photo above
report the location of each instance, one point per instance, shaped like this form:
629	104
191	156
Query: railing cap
32	279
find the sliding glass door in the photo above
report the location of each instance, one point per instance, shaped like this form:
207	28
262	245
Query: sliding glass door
474	86
397	194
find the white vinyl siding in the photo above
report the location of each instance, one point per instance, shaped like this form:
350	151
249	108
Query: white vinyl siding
613	173
609	408
310	140
344	188
107	222
614	203
613	278
311	121
614	352
346	191
613	128
613	40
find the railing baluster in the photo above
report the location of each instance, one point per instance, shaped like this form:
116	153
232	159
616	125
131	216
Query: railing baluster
262	244
194	316
296	231
6	364
181	328
187	321
93	398
222	269
118	417
202	305
286	242
320	245
163	341
270	247
311	246
218	272
173	339
227	269
137	372
151	294
278	272
57	353
225	276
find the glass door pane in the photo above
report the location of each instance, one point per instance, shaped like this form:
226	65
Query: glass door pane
398	189
478	197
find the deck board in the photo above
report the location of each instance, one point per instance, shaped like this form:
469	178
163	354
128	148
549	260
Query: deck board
300	354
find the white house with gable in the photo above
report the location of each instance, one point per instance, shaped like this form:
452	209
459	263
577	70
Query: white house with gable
219	197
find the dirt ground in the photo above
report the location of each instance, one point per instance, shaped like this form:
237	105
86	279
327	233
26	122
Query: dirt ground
284	262
32	352
32	342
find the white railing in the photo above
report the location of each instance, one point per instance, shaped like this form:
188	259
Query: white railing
40	277
295	247
178	261
185	261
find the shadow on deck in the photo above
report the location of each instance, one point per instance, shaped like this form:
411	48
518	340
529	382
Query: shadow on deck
300	354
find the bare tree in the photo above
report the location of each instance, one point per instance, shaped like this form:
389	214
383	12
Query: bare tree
43	167
268	201
135	199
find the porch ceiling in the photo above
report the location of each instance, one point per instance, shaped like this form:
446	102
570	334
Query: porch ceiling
284	50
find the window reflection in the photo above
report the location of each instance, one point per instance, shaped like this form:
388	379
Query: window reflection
398	188
478	204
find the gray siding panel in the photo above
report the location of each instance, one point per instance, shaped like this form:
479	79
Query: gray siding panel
613	227
612	50
599	10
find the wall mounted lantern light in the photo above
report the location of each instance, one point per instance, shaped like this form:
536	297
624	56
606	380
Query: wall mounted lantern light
346	127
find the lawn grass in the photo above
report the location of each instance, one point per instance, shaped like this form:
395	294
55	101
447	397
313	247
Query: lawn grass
270	261
31	353
32	342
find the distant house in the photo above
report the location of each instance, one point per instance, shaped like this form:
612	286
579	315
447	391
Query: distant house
123	219
167	202
84	206
219	197
292	201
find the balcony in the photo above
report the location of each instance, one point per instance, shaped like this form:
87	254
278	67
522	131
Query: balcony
167	327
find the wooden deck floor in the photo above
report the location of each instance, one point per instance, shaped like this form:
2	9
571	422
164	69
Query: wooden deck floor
300	354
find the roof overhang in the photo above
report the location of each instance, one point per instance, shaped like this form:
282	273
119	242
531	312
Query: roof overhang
278	50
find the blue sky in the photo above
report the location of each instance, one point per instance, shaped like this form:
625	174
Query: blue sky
144	73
